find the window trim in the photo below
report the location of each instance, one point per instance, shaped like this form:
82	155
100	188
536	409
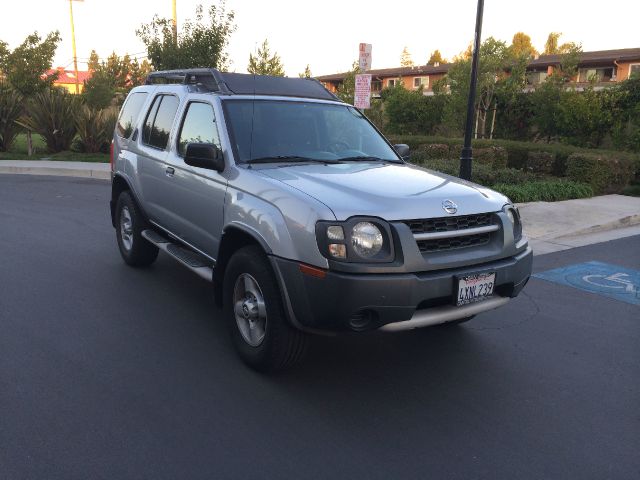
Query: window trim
184	116
159	94
394	80
423	83
632	65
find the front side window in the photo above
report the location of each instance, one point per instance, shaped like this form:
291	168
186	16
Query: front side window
391	82
634	70
418	81
198	126
157	125
129	114
279	130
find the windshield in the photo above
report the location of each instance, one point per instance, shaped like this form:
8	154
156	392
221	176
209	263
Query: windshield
284	131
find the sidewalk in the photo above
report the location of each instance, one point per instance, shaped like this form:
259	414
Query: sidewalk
48	167
555	226
550	226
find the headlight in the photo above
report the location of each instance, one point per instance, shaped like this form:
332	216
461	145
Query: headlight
366	239
356	240
514	217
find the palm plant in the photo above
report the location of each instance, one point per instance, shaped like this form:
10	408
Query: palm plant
94	127
51	114
10	110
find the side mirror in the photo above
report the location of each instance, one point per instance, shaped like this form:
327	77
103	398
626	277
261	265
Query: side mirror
204	155
402	149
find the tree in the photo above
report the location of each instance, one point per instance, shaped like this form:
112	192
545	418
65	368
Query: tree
264	63
521	46
495	59
436	57
116	75
347	89
198	44
405	58
25	67
306	73
551	46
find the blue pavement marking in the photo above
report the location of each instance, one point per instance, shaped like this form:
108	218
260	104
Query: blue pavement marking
601	278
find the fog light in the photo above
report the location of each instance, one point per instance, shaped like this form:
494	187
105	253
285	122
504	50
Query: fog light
338	250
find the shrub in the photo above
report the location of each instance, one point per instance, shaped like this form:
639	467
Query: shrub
540	162
544	191
10	110
51	114
604	172
494	156
95	128
434	150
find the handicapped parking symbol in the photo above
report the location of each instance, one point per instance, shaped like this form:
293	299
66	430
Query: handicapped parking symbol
611	281
619	280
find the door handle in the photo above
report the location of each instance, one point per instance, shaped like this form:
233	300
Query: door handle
170	171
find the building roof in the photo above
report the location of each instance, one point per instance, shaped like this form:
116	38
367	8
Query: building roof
68	76
586	58
394	72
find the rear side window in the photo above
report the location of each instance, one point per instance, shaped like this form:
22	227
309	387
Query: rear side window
157	125
199	125
129	114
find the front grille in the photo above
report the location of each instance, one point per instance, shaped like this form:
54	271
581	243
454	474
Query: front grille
451	243
448	224
454	225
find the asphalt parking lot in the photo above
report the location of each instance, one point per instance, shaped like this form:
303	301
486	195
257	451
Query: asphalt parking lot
110	372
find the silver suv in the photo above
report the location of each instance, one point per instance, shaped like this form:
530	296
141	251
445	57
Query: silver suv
301	214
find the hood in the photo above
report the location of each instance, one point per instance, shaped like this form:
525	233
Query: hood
389	191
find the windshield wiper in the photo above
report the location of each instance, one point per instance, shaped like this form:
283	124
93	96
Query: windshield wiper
366	158
289	158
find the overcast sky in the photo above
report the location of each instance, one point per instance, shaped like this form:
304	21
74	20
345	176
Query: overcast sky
325	35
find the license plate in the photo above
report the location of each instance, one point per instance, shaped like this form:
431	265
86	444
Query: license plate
475	288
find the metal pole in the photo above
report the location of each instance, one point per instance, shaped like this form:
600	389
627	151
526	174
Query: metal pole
73	44
466	156
175	21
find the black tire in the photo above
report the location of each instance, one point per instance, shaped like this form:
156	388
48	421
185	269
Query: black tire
455	323
282	345
139	252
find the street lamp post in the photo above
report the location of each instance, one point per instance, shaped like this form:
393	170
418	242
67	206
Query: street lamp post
174	21
466	156
73	45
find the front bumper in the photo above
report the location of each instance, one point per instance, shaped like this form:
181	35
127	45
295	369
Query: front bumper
356	302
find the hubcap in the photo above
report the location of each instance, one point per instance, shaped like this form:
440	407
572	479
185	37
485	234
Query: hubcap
126	228
249	309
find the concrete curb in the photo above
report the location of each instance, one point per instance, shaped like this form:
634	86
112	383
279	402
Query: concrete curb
57	168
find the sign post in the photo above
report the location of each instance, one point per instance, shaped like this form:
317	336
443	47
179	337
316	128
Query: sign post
364	60
363	91
362	98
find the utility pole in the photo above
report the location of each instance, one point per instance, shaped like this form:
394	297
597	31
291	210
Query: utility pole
73	44
466	156
175	21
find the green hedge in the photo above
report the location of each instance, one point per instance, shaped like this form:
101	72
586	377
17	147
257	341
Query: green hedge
544	191
605	173
612	172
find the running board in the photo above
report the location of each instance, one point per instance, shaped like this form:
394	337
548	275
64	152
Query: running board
195	262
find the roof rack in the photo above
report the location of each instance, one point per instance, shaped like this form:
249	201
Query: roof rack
213	80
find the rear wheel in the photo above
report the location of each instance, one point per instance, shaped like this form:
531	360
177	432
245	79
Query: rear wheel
253	309
130	223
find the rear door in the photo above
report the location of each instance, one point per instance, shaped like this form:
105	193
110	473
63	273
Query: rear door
154	173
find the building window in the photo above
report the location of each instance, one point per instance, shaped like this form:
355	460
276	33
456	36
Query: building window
376	85
595	74
392	82
535	78
634	70
421	81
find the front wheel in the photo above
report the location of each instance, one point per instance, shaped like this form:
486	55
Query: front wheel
253	309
